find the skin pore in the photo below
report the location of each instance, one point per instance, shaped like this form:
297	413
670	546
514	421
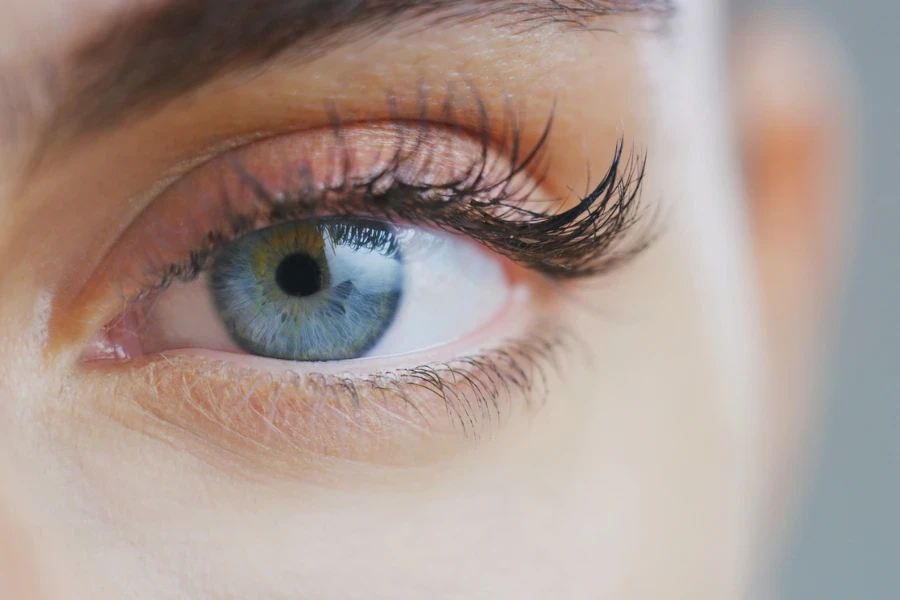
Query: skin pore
636	463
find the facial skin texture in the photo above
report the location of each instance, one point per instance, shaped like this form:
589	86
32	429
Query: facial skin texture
649	471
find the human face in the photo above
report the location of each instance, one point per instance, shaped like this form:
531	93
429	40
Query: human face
513	404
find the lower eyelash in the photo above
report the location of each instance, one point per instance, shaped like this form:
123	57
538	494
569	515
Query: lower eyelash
344	415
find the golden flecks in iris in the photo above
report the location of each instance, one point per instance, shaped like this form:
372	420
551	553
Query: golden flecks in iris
282	241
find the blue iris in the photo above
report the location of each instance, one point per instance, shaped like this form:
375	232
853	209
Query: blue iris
314	290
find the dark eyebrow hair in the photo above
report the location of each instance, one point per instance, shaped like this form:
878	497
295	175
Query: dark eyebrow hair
144	58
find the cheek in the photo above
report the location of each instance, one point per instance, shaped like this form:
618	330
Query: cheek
667	430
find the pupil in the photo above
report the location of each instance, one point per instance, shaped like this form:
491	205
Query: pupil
299	275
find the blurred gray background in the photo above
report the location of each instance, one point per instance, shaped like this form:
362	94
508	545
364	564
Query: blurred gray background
847	542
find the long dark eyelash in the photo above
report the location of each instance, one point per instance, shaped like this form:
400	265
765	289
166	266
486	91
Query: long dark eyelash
490	202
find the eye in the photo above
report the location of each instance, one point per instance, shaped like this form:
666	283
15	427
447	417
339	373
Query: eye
343	291
309	290
328	289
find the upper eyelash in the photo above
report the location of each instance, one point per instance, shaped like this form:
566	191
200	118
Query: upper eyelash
585	240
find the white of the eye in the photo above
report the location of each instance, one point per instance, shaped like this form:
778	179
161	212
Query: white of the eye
450	289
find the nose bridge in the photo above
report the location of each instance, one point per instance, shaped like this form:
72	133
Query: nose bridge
19	571
32	566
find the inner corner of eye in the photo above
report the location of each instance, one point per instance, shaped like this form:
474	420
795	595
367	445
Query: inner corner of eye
322	290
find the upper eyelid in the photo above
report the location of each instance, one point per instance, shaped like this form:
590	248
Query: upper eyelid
463	398
579	240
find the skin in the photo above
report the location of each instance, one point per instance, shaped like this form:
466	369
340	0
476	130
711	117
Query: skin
661	468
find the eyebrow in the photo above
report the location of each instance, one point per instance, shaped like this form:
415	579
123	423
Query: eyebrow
141	60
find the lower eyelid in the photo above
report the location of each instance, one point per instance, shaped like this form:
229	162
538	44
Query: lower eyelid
399	410
399	418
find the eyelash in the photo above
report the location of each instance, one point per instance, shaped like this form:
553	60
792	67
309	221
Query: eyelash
586	240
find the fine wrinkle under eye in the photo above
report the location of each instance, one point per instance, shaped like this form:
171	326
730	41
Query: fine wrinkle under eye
345	416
